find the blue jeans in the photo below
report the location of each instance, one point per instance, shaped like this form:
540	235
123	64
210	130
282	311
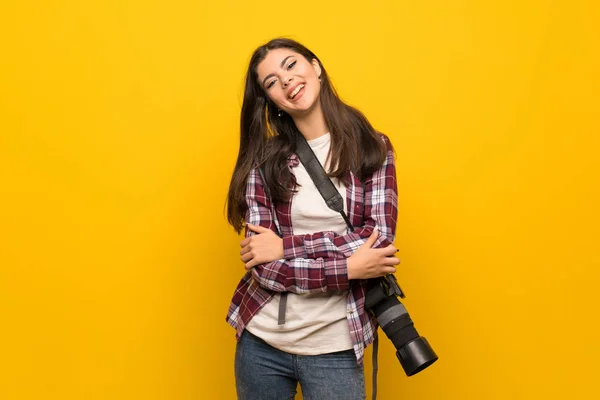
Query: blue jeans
263	372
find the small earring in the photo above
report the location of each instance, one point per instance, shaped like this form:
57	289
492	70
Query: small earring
279	113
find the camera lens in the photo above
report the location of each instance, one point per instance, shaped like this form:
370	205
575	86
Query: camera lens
413	351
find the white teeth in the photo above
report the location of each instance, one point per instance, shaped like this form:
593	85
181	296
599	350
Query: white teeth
295	92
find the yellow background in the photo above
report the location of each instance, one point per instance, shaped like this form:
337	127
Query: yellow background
118	134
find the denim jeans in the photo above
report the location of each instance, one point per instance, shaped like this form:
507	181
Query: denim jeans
263	372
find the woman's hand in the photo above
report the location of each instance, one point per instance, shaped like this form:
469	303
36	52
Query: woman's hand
262	248
368	262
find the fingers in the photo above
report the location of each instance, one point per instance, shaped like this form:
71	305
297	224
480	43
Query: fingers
377	272
251	264
257	228
390	250
391	261
388	270
372	239
383	270
247	257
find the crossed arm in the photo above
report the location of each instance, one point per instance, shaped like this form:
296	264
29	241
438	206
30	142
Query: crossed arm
324	260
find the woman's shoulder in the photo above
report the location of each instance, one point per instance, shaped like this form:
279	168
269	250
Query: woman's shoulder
385	138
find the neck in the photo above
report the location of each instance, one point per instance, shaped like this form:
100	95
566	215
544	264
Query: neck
312	124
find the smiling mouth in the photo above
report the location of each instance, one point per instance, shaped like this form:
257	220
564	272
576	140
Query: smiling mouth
296	91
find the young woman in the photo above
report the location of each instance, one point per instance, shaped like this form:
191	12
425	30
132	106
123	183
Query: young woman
299	309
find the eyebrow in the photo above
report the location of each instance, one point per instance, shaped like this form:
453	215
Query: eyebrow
272	75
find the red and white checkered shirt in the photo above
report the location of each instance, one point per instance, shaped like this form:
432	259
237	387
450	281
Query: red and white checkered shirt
317	262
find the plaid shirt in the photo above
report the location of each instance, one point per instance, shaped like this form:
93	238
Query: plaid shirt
317	262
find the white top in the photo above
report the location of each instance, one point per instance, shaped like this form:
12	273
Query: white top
314	323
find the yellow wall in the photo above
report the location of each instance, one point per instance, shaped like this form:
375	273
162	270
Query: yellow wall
118	133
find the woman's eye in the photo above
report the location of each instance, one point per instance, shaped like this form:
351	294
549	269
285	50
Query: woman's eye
270	84
292	65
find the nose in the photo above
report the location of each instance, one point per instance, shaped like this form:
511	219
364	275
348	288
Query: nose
287	81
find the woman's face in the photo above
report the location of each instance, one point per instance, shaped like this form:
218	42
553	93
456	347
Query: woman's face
290	81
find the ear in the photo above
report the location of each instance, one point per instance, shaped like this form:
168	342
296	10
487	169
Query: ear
317	66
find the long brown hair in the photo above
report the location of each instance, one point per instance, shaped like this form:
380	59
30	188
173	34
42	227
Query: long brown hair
268	140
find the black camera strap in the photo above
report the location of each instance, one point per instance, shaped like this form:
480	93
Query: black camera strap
334	201
315	170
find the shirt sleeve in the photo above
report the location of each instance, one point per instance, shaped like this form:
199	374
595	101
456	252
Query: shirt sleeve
298	275
380	211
